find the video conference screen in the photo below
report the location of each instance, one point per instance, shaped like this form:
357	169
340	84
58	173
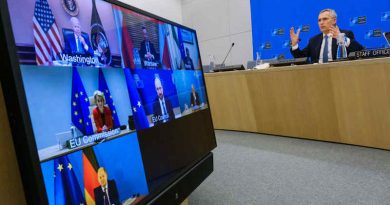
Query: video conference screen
116	98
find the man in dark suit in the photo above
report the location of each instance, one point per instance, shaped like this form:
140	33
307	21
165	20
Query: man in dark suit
322	48
195	101
76	42
149	57
162	107
106	193
188	63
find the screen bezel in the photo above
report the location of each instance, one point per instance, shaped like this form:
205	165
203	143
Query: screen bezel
386	35
18	113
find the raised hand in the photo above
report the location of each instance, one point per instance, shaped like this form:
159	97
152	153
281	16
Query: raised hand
294	37
82	40
335	31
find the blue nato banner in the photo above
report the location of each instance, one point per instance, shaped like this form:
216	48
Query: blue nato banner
67	189
79	105
272	20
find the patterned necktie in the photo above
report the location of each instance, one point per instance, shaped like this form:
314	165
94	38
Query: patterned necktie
325	53
77	44
165	113
108	197
147	47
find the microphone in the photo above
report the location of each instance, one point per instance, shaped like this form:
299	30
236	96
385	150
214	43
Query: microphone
223	62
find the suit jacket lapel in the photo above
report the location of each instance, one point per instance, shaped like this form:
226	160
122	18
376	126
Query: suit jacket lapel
73	45
317	49
334	48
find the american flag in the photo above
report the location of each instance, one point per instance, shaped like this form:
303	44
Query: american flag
46	35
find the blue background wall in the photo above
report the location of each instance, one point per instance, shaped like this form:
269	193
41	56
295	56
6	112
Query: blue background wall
184	80
128	174
271	18
48	91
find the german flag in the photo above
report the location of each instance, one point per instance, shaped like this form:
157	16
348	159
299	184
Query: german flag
90	165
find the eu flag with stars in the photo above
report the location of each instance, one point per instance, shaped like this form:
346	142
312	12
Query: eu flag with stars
140	120
107	95
66	187
80	103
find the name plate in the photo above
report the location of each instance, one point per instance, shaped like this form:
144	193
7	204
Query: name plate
373	53
85	140
150	64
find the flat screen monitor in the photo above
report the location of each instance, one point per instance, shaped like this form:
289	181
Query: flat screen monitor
107	103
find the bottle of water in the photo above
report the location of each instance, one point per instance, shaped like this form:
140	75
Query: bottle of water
258	58
73	131
212	65
341	47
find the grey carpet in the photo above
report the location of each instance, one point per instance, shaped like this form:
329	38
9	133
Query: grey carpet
260	169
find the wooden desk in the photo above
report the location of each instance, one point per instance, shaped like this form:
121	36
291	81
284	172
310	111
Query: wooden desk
346	102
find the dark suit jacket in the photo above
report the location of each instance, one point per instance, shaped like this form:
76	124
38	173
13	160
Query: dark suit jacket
101	198
157	117
70	44
152	51
313	49
193	101
188	64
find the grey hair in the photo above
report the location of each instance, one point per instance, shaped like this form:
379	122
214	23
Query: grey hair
104	169
73	20
332	12
100	94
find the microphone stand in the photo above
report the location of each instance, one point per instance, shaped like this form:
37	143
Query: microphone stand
223	62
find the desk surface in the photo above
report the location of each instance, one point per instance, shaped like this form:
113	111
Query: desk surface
346	102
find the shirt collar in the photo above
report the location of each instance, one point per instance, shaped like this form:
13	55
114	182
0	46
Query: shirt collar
104	187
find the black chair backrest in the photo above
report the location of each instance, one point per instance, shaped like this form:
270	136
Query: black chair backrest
67	32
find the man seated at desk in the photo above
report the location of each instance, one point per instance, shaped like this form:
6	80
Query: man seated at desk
188	63
194	97
162	106
149	56
76	42
322	48
106	193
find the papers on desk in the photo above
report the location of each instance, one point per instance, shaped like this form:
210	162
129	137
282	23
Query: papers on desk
262	66
129	201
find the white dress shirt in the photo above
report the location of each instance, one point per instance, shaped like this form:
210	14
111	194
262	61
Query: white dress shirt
330	58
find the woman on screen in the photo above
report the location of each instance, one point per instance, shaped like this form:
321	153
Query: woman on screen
101	114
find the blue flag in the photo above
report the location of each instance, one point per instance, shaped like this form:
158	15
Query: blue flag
181	44
66	187
104	88
140	120
80	103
